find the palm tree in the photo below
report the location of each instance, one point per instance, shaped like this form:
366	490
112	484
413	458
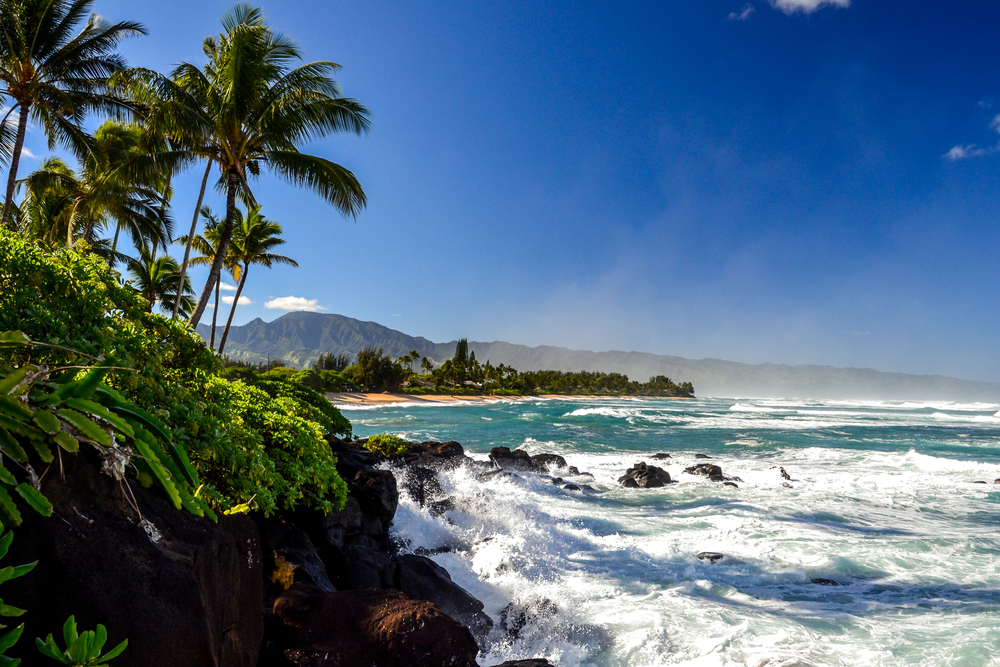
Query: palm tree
254	237
246	112
54	76
207	245
100	194
157	280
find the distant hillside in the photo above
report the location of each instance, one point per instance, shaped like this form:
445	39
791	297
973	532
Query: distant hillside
299	338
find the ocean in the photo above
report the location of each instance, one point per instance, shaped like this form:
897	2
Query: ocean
883	503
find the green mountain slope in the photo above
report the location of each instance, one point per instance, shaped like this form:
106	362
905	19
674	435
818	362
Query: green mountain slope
299	338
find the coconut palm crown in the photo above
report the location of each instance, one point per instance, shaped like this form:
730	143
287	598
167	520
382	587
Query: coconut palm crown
54	76
248	111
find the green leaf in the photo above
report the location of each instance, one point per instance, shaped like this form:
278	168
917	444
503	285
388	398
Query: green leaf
69	631
142	418
6	661
8	510
9	639
9	572
13	409
13	339
100	639
67	442
7	478
84	425
77	651
35	499
11	448
84	405
50	649
43	450
7	610
159	470
47	421
116	651
5	541
8	383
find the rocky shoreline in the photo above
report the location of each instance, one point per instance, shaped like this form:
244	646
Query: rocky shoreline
302	589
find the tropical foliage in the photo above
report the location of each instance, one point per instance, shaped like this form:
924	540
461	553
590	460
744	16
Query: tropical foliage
387	445
55	77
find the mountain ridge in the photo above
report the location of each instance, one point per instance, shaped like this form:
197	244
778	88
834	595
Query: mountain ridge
298	338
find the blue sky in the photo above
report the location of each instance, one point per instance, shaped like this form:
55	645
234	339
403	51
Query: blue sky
791	181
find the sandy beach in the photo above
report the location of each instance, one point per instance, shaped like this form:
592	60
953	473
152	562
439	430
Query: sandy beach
386	398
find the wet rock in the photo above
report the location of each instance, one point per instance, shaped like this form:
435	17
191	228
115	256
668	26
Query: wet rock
439	507
421	484
978	482
557	480
521	460
519	613
661	456
784	474
732	484
996	481
373	627
337	525
369	568
296	560
710	556
702	456
531	662
191	597
646	476
571	487
433	450
825	582
423	579
713	472
787	485
550	461
628	483
376	493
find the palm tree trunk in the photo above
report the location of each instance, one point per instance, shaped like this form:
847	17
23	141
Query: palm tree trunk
187	249
22	125
220	255
232	311
215	317
114	246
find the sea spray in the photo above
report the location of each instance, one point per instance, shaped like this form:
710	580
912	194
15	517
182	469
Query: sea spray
882	509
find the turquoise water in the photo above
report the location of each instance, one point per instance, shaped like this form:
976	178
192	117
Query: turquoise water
882	500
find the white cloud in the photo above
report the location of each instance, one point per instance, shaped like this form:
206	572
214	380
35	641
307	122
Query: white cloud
226	287
27	153
243	300
806	6
963	152
294	303
743	14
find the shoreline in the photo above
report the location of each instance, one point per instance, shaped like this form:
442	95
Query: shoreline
368	398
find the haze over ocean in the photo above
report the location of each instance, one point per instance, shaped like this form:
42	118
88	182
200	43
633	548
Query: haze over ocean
792	181
881	548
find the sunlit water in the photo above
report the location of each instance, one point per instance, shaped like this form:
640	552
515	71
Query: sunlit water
883	500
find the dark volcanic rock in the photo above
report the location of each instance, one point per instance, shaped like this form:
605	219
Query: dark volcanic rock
784	474
297	560
435	450
423	579
376	493
571	487
645	476
521	460
661	456
825	582
531	662
189	595
368	568
711	556
713	472
519	613
733	484
372	627
338	525
702	456
422	484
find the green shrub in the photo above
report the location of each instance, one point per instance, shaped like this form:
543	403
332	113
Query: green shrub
387	445
240	451
281	374
315	406
337	381
309	378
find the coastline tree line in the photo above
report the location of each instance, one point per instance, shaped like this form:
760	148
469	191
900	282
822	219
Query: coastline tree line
463	374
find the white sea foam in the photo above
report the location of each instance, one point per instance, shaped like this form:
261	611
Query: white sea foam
894	517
